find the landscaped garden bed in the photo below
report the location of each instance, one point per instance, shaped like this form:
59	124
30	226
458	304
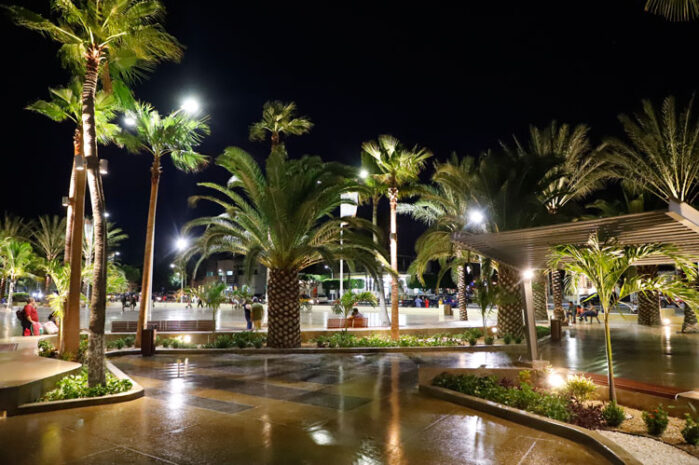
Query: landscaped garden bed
76	387
572	401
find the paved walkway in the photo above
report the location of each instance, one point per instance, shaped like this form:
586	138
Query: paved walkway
328	409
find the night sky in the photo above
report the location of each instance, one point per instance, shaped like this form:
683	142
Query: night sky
448	78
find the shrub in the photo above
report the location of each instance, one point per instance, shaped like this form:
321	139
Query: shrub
542	331
580	388
690	432
518	339
82	349
656	420
477	333
46	348
240	340
489	340
472	341
507	338
587	416
75	386
613	414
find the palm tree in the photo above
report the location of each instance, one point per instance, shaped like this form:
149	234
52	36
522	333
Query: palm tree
349	300
12	227
674	10
278	119
49	239
124	38
660	156
66	105
175	135
282	218
213	296
578	171
488	294
444	208
16	260
507	187
397	167
606	264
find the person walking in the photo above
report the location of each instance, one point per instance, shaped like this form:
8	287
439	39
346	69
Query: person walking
133	302
248	317
257	311
123	302
30	323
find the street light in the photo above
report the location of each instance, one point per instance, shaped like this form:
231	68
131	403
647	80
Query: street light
181	243
129	121
190	105
476	216
528	274
363	173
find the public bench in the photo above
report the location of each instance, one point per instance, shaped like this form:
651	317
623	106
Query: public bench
128	326
666	392
347	323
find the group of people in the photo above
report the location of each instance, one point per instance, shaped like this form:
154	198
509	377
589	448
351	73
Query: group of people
29	319
582	313
253	311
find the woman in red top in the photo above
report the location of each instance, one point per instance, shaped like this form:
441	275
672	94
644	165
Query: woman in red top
31	319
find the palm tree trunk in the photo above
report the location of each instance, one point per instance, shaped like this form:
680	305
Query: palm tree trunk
557	287
539	291
284	318
379	282
3	285
146	282
648	302
461	286
690	323
610	361
510	313
95	362
10	292
70	340
393	199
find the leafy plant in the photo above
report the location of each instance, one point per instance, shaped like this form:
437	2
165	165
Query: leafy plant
656	420
489	340
349	299
75	386
542	331
690	432
585	415
241	340
518	339
579	388
507	338
613	414
46	348
472	341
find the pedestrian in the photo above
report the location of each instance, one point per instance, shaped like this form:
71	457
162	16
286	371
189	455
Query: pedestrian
418	302
30	323
248	317
200	304
189	303
133	303
257	311
571	312
123	302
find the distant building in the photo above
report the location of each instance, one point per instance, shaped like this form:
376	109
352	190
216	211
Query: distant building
231	271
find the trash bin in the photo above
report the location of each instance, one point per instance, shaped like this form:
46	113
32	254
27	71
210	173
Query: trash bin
555	329
148	342
447	310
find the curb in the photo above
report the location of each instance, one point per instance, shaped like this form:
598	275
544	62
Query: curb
39	407
608	449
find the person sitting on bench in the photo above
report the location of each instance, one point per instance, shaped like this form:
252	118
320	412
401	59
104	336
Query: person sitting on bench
592	313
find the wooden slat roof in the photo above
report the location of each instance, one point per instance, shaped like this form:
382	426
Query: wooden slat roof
529	248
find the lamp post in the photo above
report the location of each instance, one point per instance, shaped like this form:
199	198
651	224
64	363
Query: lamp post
180	244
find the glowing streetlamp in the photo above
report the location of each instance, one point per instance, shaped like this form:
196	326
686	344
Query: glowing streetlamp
363	173
129	121
181	243
476	217
528	274
190	105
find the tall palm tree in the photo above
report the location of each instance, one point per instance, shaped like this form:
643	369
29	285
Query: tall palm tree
124	38
16	261
397	167
49	239
606	264
13	227
674	10
65	104
508	186
279	119
661	156
176	136
444	208
578	171
282	217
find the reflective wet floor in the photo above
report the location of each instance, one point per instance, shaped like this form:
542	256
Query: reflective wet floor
297	409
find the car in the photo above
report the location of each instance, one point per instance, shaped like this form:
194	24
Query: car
321	299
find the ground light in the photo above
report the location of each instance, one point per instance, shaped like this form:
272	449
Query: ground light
666	321
555	380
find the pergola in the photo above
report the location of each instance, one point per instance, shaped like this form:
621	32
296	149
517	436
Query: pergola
529	248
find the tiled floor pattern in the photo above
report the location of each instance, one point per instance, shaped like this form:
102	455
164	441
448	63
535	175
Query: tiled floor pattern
296	409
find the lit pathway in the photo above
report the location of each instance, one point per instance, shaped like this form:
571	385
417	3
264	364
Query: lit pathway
328	409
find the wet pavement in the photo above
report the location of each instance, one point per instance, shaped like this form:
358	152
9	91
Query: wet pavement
296	409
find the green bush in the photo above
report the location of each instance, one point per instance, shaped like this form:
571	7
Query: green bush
542	331
690	432
82	349
518	339
75	386
472	341
523	397
240	340
46	348
507	338
580	388
613	414
489	340
656	420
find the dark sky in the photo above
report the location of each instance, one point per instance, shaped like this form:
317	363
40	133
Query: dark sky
448	78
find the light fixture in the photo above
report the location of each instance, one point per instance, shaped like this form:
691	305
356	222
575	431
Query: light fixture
363	173
106	214
494	330
117	253
190	105
666	321
129	121
104	166
528	274
187	338
79	163
181	243
172	265
555	380
65	201
476	216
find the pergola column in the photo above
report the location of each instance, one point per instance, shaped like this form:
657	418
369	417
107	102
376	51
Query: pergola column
530	318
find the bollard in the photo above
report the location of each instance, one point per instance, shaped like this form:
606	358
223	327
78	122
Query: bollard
447	310
555	329
148	342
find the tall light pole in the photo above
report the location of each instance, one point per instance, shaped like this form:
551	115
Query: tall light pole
180	244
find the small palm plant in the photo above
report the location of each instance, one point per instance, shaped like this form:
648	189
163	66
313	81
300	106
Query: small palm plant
349	300
397	167
606	265
212	295
175	135
487	292
49	239
17	260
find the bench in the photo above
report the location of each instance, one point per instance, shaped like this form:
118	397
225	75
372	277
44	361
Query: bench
666	392
128	326
348	323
